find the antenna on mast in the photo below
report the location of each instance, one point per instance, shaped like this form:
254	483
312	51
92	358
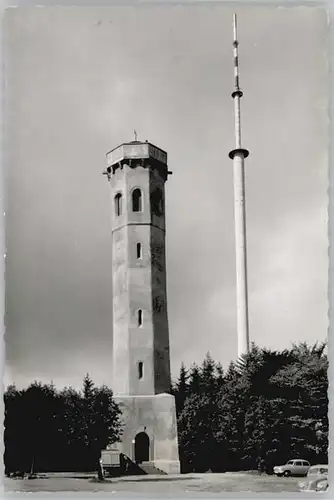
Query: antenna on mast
235	54
238	155
237	93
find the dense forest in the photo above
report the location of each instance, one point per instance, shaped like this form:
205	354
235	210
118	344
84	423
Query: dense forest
50	430
270	405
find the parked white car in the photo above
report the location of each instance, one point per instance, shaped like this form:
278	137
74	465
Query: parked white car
295	467
316	480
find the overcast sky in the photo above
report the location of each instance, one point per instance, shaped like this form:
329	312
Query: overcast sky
79	81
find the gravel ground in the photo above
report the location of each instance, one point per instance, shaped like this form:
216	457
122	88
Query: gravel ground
161	485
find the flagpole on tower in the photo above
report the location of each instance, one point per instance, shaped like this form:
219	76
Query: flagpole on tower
238	156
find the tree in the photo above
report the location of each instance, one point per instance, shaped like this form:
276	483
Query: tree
260	423
13	432
305	383
181	389
88	387
101	425
208	375
269	404
63	430
72	424
219	376
232	404
194	383
196	428
27	439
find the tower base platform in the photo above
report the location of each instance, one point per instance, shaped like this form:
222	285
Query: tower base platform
150	431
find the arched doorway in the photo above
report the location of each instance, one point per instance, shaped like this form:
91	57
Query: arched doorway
142	448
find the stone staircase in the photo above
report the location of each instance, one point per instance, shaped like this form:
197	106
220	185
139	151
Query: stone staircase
130	468
149	468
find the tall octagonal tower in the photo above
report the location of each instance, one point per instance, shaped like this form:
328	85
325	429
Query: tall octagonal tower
137	172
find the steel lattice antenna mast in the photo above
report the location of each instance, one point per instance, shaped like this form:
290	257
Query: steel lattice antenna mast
238	155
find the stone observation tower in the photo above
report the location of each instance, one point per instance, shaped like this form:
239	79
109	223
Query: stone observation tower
137	172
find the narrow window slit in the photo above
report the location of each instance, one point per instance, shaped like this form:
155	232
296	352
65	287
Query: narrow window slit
118	204
139	251
140	369
140	317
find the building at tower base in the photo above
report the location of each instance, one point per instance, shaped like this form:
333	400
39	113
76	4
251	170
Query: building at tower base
150	431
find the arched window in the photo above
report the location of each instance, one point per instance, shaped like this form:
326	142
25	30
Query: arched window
136	200
118	204
140	369
140	317
139	251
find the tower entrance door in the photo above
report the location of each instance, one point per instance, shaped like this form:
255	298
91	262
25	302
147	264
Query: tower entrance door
142	448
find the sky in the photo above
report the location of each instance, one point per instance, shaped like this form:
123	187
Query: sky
78	82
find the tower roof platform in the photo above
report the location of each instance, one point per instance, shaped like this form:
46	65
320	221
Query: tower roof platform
136	150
